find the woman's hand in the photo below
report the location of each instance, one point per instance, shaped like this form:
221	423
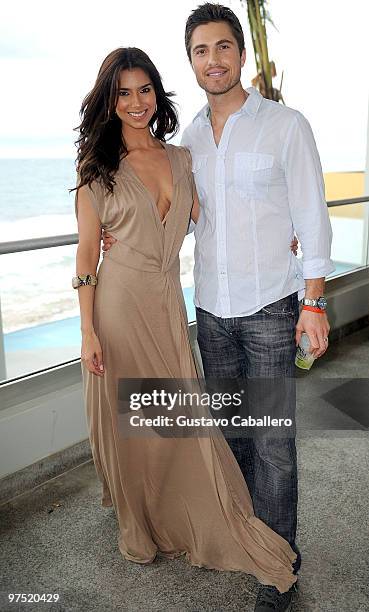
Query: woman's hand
195	208
294	245
108	240
91	353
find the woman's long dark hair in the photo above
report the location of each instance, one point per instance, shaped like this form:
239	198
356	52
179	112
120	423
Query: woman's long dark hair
100	146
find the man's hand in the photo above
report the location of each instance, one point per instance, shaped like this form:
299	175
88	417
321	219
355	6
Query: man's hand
316	326
108	240
294	245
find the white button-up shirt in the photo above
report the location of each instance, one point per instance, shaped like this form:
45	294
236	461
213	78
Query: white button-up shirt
262	183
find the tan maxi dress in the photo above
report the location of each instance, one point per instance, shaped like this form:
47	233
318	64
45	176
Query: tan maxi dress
171	496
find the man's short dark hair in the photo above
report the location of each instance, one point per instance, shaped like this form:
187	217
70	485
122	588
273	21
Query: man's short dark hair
207	13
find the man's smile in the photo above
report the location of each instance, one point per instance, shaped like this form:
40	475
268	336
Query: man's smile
216	72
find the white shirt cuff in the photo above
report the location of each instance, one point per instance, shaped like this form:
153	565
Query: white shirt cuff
317	268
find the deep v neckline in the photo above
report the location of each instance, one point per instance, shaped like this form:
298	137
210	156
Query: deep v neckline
147	190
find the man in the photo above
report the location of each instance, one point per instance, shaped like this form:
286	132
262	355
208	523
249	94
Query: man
259	178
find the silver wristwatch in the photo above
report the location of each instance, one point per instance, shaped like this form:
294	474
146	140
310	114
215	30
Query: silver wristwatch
320	302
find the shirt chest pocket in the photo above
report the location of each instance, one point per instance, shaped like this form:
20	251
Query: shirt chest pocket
252	173
200	169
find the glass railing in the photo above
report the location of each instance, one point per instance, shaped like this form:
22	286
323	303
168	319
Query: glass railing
39	315
350	234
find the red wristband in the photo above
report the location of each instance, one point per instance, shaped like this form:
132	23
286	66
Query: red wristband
313	309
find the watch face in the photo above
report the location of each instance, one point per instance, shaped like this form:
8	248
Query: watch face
322	303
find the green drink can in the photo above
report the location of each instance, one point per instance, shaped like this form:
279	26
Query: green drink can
304	359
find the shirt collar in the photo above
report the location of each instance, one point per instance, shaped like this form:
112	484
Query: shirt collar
249	107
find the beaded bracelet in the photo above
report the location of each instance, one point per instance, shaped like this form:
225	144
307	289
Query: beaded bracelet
83	279
312	309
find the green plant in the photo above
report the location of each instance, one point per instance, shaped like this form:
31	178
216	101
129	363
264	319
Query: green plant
258	16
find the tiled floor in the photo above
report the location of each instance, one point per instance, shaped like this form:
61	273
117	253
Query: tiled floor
58	539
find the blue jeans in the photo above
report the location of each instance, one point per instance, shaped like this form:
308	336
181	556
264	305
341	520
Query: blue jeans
260	345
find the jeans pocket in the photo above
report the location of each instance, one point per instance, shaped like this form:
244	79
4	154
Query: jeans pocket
201	310
283	307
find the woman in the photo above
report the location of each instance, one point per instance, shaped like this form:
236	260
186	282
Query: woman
171	495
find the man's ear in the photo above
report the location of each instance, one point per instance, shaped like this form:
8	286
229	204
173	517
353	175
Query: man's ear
243	58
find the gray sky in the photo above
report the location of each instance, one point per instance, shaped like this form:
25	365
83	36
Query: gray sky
50	54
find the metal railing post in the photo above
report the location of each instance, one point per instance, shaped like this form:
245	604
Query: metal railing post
2	349
365	256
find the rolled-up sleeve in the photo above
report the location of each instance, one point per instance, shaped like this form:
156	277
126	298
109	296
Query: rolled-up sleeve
306	198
